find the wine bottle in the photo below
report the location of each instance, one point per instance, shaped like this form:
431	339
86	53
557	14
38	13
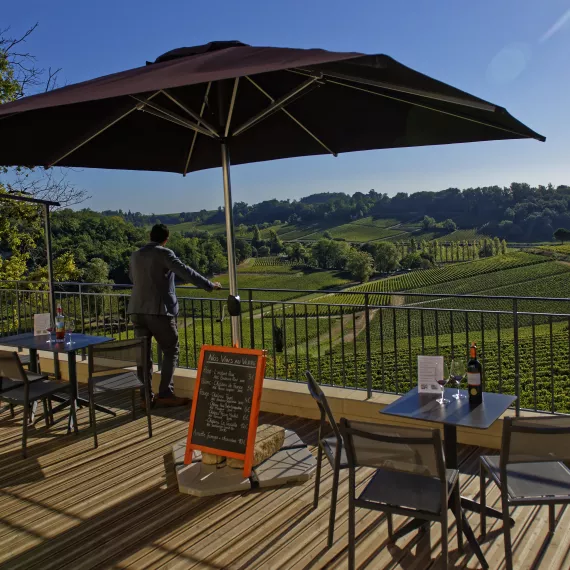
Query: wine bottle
474	374
59	324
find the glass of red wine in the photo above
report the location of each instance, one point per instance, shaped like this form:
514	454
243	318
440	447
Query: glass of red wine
458	371
442	382
51	330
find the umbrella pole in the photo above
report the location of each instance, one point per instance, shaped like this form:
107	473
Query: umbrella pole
236	331
52	308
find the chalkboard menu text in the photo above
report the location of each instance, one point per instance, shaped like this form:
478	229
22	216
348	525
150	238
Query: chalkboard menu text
225	406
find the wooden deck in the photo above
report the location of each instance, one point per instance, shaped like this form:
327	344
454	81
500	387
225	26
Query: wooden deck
70	506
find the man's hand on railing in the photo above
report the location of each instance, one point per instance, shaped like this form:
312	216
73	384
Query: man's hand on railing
217	285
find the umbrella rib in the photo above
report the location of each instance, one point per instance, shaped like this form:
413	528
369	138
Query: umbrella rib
102	130
231	109
278	104
456	115
292	117
420	93
174	117
198	118
194	137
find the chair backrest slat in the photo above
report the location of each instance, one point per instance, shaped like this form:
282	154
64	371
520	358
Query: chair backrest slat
546	438
321	400
117	355
402	449
11	367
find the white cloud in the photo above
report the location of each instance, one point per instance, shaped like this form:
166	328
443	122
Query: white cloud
557	26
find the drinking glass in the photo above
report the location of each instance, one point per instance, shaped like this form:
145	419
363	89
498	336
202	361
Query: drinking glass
442	382
458	371
51	331
69	328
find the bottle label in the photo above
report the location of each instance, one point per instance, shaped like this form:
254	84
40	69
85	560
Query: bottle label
474	379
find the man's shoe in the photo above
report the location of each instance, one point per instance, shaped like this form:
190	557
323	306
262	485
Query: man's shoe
171	401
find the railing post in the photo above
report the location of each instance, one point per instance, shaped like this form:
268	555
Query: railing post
83	351
251	327
368	350
517	363
18	306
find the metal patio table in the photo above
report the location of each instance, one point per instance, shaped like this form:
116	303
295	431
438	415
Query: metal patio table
424	407
48	343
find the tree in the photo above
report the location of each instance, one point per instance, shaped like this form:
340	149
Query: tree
360	264
256	240
449	225
504	247
411	261
243	250
330	254
496	246
327	235
428	223
275	243
19	76
96	271
562	234
263	251
413	245
297	252
385	255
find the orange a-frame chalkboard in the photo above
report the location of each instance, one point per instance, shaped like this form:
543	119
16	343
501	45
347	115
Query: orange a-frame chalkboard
225	406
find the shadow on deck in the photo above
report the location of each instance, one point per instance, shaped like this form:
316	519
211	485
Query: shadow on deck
71	506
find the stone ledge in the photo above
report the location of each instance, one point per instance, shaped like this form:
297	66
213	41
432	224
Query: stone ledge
293	398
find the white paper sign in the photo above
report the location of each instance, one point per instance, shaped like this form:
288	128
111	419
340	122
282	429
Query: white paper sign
430	370
41	324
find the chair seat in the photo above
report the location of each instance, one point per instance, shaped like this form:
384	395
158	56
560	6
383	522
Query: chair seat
116	381
329	447
532	480
38	391
10	384
407	490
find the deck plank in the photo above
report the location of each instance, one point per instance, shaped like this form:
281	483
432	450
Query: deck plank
71	506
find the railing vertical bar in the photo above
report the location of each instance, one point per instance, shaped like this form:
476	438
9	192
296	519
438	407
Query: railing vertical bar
410	373
354	346
318	343
517	363
307	339
368	346
382	370
185	317
193	315
19	317
342	345
422	328
251	323
330	345
483	351
285	355
499	354
212	333
296	349
466	335
552	405
203	327
262	317
394	329
273	343
534	361
436	314
221	321
451	330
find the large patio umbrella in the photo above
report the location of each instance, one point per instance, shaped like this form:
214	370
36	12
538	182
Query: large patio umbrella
193	106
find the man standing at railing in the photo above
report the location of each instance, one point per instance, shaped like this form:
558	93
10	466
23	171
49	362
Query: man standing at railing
153	306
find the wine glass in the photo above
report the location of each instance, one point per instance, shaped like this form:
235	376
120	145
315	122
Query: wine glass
458	371
442	382
50	330
69	328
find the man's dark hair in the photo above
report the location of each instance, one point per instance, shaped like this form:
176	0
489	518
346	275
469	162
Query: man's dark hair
159	233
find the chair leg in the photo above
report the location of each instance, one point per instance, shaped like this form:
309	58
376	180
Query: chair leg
390	526
507	536
12	414
134	404
25	431
351	523
92	414
318	476
334	496
50	409
458	517
551	519
483	499
147	405
46	412
444	541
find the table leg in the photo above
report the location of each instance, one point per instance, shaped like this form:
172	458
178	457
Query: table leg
414	524
450	446
33	360
72	369
471	505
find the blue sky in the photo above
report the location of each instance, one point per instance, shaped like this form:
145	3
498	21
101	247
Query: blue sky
511	52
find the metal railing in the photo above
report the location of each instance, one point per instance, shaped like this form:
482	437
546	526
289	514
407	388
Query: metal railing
371	343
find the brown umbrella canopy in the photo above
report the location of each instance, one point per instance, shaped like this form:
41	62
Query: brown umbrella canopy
265	103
